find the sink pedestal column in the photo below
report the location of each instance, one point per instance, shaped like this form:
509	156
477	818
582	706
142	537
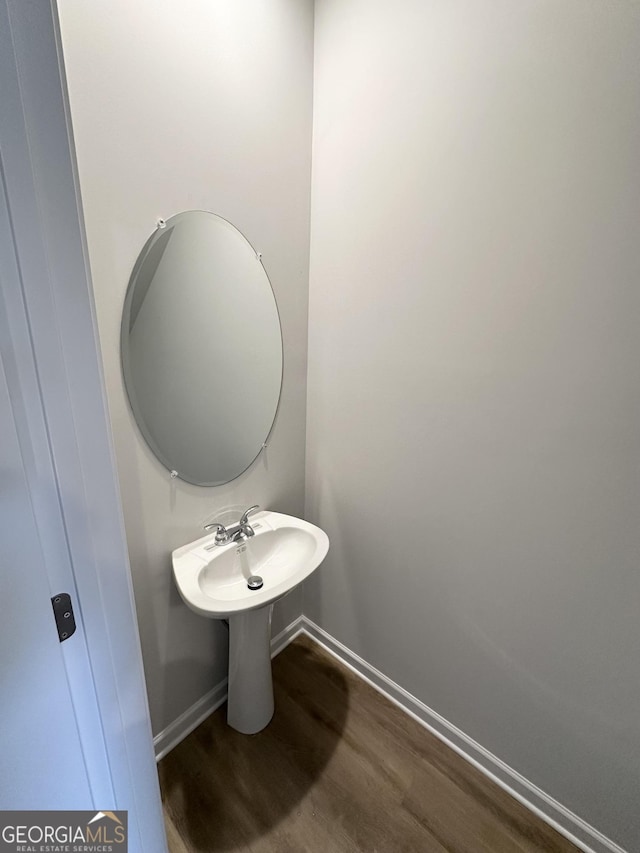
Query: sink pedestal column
250	699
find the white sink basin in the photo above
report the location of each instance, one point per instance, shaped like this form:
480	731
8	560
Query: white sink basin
212	579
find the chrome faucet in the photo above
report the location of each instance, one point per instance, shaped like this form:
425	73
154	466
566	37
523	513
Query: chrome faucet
236	532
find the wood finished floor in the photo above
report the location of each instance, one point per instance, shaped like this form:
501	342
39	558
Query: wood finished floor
339	769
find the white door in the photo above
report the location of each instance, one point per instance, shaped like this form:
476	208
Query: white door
42	764
52	749
74	722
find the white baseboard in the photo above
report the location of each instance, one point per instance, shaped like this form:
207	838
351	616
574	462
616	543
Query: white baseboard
178	730
287	635
552	812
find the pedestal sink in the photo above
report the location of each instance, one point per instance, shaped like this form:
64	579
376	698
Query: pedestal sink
213	580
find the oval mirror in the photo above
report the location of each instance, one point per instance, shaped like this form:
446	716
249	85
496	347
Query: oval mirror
202	348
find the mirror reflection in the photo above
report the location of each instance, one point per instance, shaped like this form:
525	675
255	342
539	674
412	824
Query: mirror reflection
202	348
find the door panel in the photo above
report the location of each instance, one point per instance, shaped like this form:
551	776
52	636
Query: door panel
42	763
52	371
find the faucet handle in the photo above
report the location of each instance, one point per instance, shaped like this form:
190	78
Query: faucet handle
244	519
221	532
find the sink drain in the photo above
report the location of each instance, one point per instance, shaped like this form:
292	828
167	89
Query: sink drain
255	582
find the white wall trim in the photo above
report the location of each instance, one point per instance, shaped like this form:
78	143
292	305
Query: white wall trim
551	811
190	719
287	635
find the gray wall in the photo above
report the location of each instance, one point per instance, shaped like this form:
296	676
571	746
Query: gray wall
178	106
474	404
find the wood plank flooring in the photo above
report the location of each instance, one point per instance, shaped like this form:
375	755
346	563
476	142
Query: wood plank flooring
339	769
